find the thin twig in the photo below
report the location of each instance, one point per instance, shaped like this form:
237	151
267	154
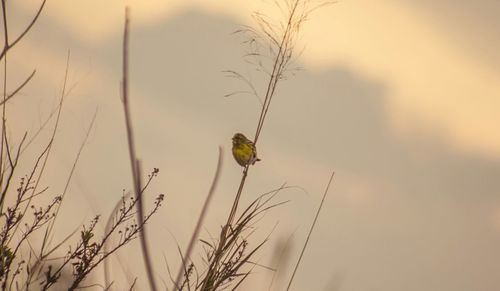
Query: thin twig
26	30
49	145
12	94
310	231
107	229
75	162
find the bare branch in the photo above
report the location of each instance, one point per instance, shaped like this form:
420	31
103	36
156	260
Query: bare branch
21	36
9	96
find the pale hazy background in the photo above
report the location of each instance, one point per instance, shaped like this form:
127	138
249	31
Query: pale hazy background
400	98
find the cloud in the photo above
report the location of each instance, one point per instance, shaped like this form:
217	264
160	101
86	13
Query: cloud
407	212
472	26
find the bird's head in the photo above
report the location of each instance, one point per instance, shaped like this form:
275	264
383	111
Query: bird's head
239	138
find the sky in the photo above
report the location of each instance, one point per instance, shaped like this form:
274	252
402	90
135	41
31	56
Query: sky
399	98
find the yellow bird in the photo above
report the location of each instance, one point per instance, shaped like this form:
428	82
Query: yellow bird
244	151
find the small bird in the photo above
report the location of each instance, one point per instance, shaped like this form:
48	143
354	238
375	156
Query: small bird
244	151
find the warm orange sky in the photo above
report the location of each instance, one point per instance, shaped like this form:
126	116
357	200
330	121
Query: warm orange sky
424	56
400	98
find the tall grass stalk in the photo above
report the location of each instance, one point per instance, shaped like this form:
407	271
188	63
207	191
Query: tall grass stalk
280	38
310	232
134	162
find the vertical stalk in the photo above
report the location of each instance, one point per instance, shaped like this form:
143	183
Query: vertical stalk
135	165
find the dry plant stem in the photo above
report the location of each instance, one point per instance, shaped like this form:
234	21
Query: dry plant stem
237	198
13	165
7	45
109	224
50	143
41	218
21	194
46	238
224	234
66	186
133	159
104	256
3	55
310	231
133	284
13	218
19	88
279	66
37	268
6	40
232	255
201	218
88	254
